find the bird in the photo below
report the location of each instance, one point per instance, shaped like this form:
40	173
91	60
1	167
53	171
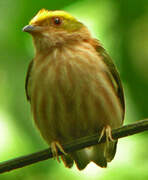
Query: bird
73	87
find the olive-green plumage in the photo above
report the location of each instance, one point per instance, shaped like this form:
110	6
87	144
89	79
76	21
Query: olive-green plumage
73	87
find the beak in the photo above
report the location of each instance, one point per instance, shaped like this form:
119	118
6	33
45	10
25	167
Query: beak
32	29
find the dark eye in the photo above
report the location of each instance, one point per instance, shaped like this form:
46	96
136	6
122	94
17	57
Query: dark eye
57	21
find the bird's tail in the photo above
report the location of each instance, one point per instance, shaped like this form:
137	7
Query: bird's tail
99	154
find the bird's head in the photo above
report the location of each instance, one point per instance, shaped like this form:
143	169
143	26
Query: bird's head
55	28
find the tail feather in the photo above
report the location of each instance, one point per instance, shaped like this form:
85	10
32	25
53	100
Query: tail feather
111	151
103	153
100	154
68	161
81	159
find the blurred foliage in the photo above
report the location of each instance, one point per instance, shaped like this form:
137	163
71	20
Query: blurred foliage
122	27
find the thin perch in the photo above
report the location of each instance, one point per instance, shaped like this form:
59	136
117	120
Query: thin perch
123	131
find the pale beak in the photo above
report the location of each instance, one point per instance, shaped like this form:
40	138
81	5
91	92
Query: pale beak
32	29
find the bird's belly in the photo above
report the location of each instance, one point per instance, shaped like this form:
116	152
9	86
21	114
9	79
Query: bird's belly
64	112
74	105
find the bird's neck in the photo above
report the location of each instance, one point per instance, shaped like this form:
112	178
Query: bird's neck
47	42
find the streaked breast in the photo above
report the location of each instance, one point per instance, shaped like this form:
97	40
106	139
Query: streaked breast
72	95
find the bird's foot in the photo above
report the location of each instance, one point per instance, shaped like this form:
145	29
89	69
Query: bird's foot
55	146
107	131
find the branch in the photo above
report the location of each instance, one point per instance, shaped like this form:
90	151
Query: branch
78	144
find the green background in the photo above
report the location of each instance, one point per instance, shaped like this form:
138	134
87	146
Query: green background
122	27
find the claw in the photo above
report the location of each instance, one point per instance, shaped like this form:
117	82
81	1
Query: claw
102	134
55	145
107	131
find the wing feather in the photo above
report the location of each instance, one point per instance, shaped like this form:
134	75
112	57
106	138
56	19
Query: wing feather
27	79
108	61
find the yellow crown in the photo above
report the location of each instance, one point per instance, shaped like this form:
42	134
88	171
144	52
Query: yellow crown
45	14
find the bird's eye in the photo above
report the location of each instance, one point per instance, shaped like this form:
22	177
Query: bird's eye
57	21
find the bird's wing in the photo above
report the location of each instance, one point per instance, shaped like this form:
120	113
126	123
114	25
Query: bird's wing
27	79
108	61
